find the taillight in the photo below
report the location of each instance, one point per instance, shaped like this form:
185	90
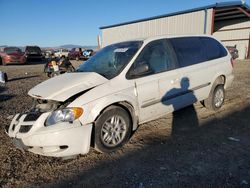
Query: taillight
232	62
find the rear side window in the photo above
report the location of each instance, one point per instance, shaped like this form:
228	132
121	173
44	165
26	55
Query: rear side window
194	50
213	48
188	50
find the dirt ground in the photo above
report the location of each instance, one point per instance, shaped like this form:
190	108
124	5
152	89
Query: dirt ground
199	148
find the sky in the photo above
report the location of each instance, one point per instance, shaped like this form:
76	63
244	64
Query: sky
50	23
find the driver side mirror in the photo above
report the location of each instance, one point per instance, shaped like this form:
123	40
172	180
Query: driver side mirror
139	71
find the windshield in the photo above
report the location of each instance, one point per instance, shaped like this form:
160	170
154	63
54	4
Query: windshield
12	50
111	60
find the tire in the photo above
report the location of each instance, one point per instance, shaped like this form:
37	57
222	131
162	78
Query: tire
112	129
48	74
216	98
2	62
71	69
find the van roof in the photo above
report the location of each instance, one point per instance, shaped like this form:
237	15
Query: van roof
148	39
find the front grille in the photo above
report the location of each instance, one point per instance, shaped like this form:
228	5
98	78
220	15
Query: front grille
25	128
32	117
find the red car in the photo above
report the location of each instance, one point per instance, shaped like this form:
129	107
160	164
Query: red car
75	53
12	55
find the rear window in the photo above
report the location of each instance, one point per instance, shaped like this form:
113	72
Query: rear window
194	50
12	50
33	49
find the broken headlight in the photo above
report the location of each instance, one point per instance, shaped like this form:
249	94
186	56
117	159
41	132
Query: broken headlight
64	115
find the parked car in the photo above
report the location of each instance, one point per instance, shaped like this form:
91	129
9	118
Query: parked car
233	51
47	53
12	55
122	86
33	53
87	54
75	53
61	53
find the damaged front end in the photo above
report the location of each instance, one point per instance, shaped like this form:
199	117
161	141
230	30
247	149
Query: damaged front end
29	131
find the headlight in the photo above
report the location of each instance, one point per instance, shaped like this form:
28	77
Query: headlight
64	115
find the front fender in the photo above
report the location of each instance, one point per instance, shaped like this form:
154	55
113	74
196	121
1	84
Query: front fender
95	108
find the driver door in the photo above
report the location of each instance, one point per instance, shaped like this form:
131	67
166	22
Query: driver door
158	60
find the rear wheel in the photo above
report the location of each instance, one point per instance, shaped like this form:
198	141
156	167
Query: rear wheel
112	129
216	98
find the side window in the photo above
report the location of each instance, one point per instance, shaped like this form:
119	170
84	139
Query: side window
213	48
158	55
189	50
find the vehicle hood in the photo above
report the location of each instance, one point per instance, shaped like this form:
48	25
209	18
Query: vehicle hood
62	87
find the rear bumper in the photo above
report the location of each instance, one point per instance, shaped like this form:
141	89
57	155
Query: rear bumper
60	140
14	61
229	81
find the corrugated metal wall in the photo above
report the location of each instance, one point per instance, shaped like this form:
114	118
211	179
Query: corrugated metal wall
234	32
189	23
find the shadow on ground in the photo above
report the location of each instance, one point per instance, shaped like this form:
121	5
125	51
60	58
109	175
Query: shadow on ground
35	62
22	78
29	62
3	96
200	156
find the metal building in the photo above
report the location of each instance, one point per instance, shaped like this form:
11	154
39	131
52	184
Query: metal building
229	22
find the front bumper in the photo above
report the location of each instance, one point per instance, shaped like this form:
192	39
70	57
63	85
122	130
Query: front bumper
60	140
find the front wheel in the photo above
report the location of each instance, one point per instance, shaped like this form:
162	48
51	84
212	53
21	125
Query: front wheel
216	98
71	69
112	129
3	62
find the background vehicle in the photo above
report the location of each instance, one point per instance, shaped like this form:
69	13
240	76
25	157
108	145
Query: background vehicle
47	53
56	66
33	53
12	55
233	51
61	53
75	53
87	54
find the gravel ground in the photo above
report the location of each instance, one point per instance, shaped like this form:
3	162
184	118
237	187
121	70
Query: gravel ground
162	153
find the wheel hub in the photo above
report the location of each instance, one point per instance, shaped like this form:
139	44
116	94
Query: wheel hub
219	98
113	131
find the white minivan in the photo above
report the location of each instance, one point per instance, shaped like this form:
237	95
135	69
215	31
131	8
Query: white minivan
120	87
